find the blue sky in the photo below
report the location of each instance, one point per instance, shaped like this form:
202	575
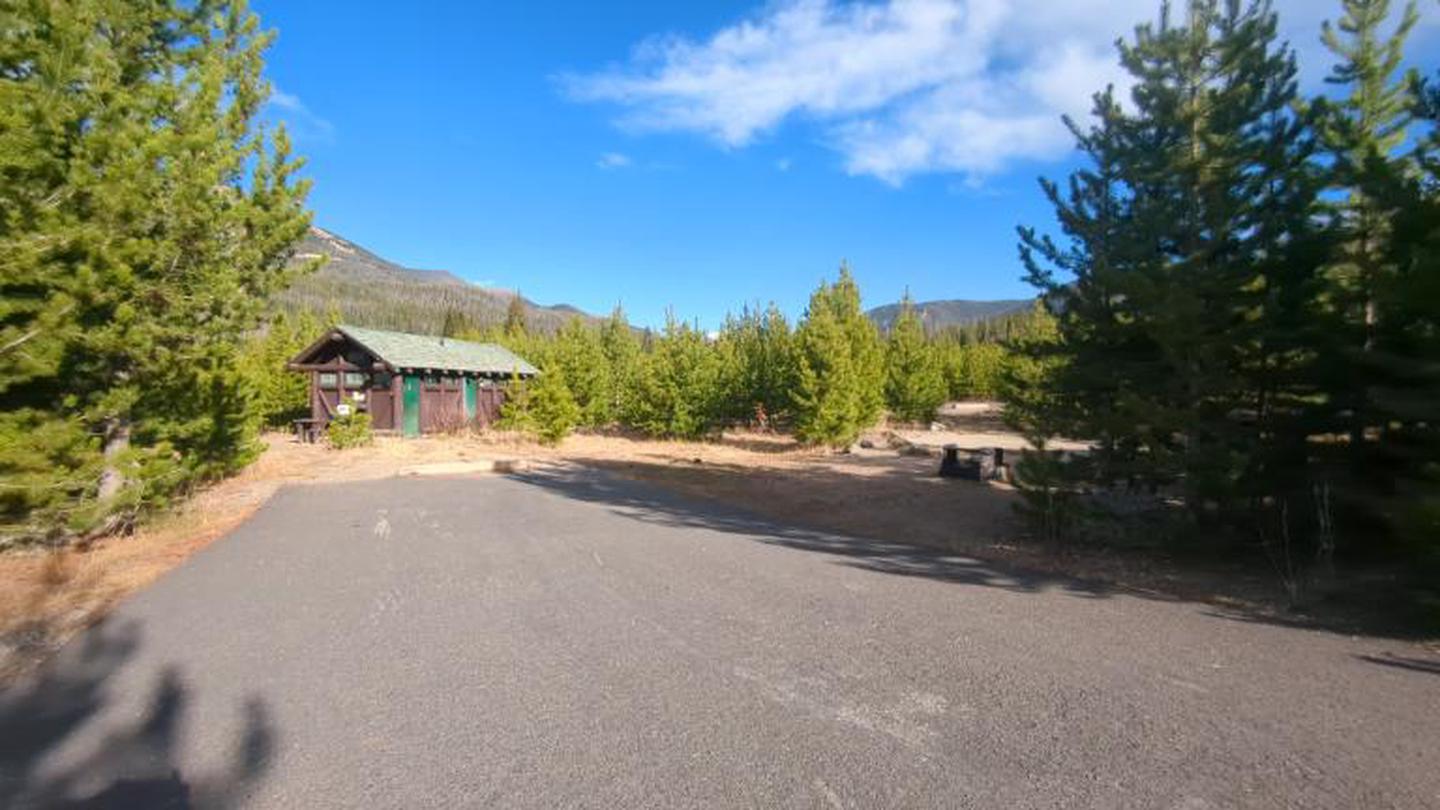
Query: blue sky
701	156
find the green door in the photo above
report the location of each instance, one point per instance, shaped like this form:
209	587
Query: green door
412	405
469	398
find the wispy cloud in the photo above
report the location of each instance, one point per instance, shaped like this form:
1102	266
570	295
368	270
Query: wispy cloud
613	160
303	123
783	164
898	88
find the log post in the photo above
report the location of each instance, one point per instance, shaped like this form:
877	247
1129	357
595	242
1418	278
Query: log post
117	441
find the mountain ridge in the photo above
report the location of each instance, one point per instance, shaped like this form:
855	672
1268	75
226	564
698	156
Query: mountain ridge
948	312
370	290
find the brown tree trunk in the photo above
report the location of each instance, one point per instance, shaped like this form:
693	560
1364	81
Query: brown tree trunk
117	441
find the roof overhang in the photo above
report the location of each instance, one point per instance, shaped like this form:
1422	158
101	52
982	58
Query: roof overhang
302	361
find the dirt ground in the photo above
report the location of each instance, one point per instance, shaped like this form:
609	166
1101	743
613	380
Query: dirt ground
879	492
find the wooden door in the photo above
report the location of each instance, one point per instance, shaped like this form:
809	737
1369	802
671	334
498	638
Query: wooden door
491	399
381	403
412	405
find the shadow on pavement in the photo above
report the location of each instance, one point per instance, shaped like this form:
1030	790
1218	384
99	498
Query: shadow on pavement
957	507
133	765
656	505
1403	662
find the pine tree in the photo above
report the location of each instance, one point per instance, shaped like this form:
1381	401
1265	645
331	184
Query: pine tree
773	364
515	318
145	219
915	381
1363	133
516	412
457	324
757	366
840	380
552	409
621	350
1405	355
973	370
1183	294
578	354
677	386
280	395
977	357
865	346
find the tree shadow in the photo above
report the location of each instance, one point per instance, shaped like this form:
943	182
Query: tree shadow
133	765
1354	617
750	440
1431	666
659	506
759	442
1221	587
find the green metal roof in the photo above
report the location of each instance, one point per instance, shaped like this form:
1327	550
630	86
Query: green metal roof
403	350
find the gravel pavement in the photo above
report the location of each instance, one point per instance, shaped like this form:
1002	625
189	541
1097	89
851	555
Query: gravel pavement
569	639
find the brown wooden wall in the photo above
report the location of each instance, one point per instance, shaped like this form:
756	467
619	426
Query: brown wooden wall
442	399
380	402
442	405
487	405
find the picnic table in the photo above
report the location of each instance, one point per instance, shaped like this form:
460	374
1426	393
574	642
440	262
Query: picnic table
980	465
307	430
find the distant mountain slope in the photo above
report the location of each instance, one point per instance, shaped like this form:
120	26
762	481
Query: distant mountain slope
371	291
955	312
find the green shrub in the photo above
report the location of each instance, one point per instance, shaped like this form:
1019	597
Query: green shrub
552	407
677	385
352	430
914	377
840	362
279	394
515	413
50	468
542	407
1049	501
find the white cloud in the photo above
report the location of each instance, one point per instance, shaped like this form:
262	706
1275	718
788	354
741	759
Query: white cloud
900	87
613	160
783	164
303	124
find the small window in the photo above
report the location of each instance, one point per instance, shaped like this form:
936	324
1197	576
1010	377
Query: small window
354	379
432	380
382	380
328	379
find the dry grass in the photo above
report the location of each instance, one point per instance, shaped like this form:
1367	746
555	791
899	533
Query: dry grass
57	568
